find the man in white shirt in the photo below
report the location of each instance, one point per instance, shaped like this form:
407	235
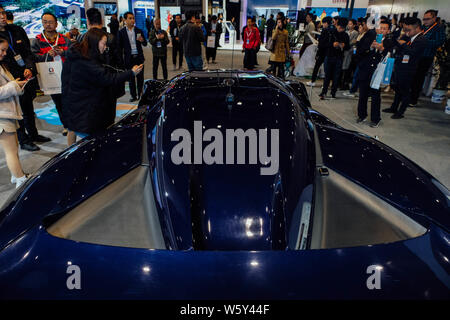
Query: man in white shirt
130	41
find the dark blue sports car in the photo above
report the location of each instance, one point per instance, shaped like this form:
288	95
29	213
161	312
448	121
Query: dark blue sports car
227	185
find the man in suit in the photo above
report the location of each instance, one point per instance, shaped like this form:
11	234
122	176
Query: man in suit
130	41
114	25
270	26
367	67
409	50
177	46
436	38
213	28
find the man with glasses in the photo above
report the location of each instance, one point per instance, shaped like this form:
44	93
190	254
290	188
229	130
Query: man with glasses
435	35
20	62
409	50
48	46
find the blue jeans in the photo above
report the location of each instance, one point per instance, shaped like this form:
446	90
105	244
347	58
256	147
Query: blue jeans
354	87
195	63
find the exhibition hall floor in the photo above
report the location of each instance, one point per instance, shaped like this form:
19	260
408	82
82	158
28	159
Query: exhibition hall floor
423	135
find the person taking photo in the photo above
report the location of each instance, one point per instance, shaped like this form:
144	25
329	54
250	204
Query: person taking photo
10	90
87	84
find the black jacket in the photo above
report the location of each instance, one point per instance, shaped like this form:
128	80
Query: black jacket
324	42
114	26
368	65
123	44
270	24
21	45
363	46
208	28
413	50
87	93
175	32
341	37
192	37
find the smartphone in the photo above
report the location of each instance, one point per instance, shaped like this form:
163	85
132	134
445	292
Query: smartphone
379	38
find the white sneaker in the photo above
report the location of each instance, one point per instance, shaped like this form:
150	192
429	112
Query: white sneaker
310	84
13	179
348	94
21	180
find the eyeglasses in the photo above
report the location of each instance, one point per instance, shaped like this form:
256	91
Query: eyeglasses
426	19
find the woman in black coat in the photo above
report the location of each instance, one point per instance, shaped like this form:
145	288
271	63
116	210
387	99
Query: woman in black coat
87	86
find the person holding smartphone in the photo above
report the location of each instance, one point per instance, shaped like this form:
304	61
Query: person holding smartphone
10	90
159	41
87	85
20	62
130	41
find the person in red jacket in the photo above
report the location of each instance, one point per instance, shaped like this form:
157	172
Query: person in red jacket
251	40
51	45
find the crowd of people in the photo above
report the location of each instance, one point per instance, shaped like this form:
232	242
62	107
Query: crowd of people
97	64
351	51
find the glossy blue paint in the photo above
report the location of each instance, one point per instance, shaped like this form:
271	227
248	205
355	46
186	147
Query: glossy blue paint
228	231
34	267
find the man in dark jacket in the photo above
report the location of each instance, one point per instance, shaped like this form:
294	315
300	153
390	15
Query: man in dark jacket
191	36
409	50
177	46
324	42
213	29
159	41
114	25
86	86
270	24
339	42
435	35
363	50
130	41
366	69
20	62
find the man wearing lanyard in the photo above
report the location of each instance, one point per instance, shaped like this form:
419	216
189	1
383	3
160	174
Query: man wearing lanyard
51	46
19	60
251	41
159	41
435	35
408	53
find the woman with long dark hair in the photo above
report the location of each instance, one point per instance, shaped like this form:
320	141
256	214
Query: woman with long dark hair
10	112
87	86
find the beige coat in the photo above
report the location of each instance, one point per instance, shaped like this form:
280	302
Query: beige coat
281	40
9	96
